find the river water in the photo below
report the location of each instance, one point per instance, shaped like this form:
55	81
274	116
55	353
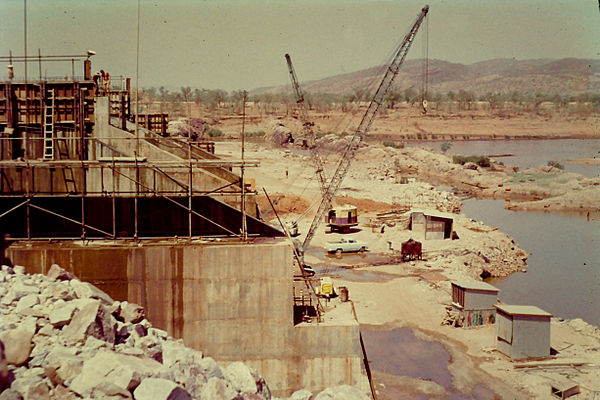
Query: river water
563	274
528	153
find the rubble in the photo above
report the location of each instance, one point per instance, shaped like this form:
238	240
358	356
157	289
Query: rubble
80	343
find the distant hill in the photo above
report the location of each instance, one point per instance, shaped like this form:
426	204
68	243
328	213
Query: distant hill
565	76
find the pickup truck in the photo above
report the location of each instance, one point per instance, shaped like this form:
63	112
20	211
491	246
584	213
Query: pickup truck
346	246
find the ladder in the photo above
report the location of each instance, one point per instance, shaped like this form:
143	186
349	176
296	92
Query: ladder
49	126
67	172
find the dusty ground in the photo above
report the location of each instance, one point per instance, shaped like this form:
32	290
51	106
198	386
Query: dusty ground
389	294
406	123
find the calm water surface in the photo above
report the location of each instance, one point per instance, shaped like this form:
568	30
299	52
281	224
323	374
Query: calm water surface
563	275
528	153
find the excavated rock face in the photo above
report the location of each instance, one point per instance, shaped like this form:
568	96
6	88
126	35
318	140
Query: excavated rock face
66	339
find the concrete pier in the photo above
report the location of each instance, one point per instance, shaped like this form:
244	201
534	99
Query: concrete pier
231	300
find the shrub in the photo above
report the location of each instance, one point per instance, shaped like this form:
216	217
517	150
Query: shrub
394	145
555	164
482	161
214	132
445	146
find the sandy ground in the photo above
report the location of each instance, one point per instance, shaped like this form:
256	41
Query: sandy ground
409	123
389	294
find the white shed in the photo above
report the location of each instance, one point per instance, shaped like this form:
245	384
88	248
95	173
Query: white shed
522	331
475	302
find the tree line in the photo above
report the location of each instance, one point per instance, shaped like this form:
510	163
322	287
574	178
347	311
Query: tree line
451	101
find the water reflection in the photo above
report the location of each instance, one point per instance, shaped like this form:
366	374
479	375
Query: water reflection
563	276
527	153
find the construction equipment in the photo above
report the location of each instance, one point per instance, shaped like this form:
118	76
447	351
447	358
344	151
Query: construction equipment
363	127
306	125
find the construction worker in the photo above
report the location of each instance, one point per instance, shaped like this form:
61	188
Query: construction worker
96	79
106	79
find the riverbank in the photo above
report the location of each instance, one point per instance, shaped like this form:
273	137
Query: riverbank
475	367
389	295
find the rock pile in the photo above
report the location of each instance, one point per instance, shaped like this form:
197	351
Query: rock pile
278	135
66	339
183	126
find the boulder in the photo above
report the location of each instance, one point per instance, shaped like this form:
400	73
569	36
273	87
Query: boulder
160	389
10	394
62	365
301	395
32	388
241	377
210	368
130	312
217	389
87	290
17	345
25	303
175	351
60	290
343	392
122	370
59	274
62	393
18	290
92	320
278	135
110	391
61	313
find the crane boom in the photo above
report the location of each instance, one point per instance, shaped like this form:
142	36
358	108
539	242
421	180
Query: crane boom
306	125
365	125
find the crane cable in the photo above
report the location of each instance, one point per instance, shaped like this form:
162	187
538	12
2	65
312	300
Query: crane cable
425	64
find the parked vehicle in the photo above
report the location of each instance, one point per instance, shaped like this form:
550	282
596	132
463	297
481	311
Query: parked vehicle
346	246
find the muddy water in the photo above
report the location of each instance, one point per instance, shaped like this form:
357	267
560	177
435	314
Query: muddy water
563	275
530	153
399	352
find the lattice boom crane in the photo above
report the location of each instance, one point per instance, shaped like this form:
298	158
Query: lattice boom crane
306	125
364	126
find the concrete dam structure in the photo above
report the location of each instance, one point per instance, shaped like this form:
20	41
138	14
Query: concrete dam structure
164	223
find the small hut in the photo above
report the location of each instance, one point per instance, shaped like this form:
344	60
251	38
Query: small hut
432	224
474	302
342	218
522	331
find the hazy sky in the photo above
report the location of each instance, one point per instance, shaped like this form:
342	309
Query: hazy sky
241	44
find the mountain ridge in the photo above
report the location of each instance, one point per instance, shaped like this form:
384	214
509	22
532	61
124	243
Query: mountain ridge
567	76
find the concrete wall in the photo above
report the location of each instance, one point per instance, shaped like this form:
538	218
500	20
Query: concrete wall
232	301
124	141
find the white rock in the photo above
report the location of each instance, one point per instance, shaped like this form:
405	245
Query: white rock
301	395
85	289
122	370
160	389
92	320
26	303
217	389
343	392
17	345
241	377
61	313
